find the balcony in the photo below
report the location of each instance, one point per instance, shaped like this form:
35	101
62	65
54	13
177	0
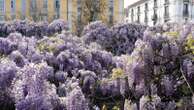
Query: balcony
166	17
146	20
44	11
2	17
23	17
146	10
154	17
185	1
2	12
57	16
138	13
155	5
13	16
185	14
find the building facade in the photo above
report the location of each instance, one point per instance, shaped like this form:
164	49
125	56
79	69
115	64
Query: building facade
151	12
53	9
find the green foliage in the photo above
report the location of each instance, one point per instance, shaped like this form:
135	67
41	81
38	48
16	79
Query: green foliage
117	73
49	44
190	43
116	108
172	34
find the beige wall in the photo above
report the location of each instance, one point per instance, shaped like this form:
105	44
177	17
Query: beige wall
63	9
8	9
50	10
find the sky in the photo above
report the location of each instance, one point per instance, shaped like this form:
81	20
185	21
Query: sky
128	2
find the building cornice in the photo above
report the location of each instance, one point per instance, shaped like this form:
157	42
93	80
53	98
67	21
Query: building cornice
137	3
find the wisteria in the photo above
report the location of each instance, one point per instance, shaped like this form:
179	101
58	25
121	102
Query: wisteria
29	28
124	67
119	39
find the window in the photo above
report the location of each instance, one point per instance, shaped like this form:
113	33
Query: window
166	11
45	4
79	9
155	3
155	16
138	9
146	13
185	9
126	13
69	13
132	14
33	6
138	14
111	10
44	11
146	6
45	7
57	8
12	7
33	3
67	9
23	7
12	4
2	6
